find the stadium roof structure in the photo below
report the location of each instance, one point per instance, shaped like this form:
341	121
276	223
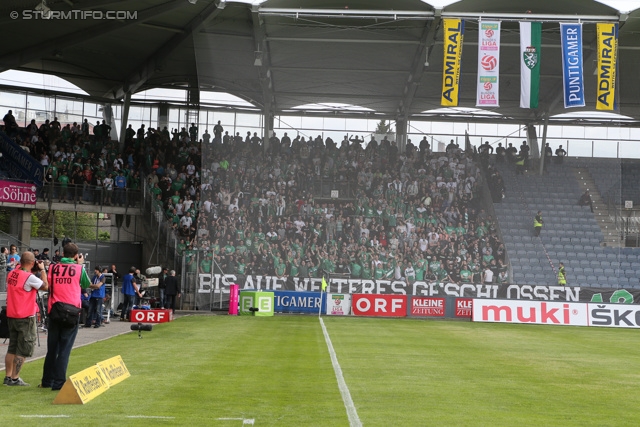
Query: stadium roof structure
378	55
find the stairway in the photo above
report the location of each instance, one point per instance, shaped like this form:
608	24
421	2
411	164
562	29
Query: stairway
607	226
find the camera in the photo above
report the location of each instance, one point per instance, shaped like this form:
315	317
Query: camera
37	267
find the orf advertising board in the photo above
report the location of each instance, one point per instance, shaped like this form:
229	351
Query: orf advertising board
379	305
151	316
338	304
536	312
427	307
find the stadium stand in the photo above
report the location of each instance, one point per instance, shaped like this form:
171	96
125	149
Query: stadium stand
570	234
262	211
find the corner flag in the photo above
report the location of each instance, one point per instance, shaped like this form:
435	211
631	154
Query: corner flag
324	285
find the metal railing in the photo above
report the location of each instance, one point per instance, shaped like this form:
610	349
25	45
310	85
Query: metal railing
166	239
87	194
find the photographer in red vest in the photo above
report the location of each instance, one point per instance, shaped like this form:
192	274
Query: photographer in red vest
66	279
23	283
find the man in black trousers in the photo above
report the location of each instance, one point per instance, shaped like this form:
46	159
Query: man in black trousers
172	291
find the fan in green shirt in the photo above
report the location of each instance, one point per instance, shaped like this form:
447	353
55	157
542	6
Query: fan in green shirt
175	199
356	270
215	248
366	272
293	268
280	268
205	265
313	271
420	270
241	267
466	276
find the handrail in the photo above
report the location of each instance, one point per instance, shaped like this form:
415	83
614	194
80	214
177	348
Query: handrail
15	241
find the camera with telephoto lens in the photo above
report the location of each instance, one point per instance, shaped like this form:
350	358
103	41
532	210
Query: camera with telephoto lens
37	266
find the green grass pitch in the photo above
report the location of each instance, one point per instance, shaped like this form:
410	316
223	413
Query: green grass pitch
228	371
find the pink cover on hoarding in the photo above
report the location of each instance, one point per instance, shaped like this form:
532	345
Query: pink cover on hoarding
234	292
17	192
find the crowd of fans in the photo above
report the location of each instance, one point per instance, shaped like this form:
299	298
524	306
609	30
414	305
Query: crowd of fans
239	207
81	162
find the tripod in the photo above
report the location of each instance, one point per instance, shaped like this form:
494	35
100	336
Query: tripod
42	323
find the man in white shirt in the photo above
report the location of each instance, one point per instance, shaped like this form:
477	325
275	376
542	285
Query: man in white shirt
186	220
488	275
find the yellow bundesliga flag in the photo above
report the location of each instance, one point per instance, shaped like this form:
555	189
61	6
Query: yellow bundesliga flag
324	285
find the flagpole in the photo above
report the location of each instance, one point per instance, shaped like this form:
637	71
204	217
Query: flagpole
323	287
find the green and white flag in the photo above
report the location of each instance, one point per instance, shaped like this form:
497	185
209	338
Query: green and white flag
530	35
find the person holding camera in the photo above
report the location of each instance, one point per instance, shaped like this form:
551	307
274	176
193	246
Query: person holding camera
96	299
67	279
129	290
23	284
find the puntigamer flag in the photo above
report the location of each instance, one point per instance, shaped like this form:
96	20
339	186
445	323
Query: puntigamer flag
487	94
573	78
607	65
453	31
530	36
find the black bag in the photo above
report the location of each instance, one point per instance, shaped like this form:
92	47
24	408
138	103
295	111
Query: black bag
65	314
4	324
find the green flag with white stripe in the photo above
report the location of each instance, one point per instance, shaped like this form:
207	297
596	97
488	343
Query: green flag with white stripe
530	36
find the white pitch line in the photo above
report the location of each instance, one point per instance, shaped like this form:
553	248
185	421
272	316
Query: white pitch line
44	416
245	421
352	414
153	417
